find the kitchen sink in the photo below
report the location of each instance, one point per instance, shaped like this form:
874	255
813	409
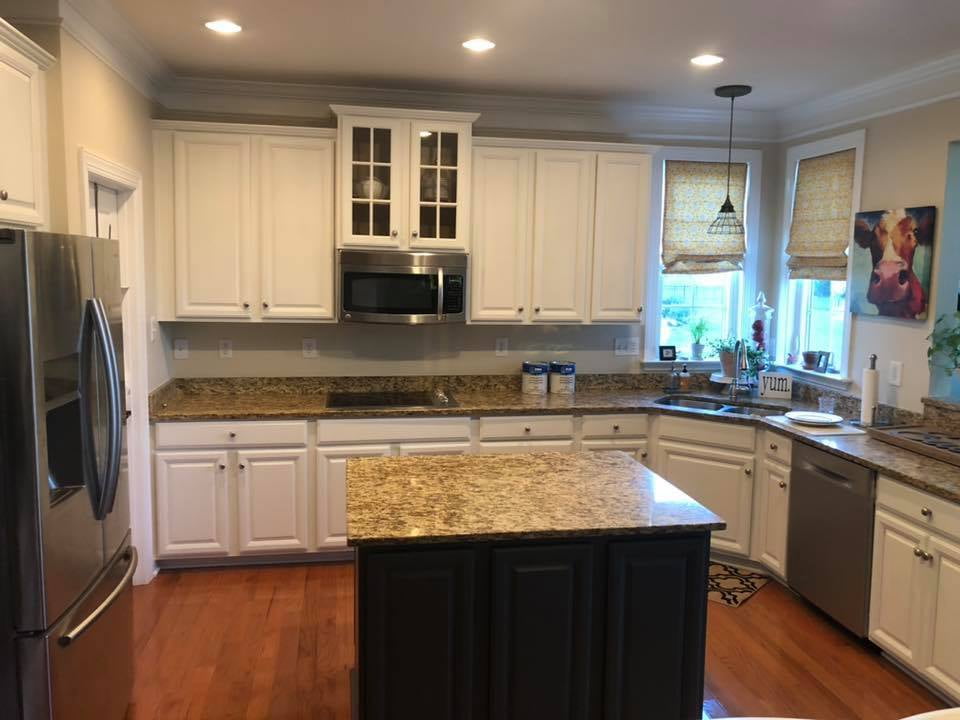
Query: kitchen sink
711	405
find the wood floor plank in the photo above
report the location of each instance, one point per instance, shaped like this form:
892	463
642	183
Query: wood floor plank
277	643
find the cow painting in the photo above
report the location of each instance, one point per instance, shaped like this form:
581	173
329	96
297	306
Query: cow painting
891	255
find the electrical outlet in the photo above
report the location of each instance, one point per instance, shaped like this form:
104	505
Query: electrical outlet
896	373
626	346
226	349
502	348
154	328
181	349
309	347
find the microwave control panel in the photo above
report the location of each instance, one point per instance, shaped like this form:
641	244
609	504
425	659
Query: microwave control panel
452	294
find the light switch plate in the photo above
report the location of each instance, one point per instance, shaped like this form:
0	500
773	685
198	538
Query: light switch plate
154	328
626	346
896	373
309	347
502	348
181	349
226	349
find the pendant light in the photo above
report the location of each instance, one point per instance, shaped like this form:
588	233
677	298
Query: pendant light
727	222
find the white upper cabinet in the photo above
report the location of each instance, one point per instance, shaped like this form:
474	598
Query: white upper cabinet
404	178
562	234
23	133
501	234
296	227
215	252
620	236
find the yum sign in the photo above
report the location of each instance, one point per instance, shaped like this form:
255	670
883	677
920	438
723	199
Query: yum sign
776	385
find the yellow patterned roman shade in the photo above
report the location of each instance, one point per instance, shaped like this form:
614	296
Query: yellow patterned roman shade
822	205
693	192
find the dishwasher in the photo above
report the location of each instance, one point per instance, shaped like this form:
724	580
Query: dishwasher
830	536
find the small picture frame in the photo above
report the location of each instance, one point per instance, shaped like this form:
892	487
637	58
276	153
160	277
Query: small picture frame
668	353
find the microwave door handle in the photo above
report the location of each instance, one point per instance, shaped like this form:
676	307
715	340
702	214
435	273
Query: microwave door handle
89	469
440	293
111	472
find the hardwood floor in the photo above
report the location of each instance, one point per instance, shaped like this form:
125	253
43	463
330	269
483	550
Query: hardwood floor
278	642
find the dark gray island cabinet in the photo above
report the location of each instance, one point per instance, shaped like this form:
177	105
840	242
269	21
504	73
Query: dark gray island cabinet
518	587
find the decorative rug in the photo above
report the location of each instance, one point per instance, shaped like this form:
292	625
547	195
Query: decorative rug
732	586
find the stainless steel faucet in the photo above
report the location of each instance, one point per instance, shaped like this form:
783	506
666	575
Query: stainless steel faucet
742	364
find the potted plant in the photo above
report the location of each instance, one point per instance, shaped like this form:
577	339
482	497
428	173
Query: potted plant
944	350
726	348
697	331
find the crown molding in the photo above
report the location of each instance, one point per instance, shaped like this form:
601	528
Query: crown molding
915	87
97	26
9	35
386	112
244	128
544	144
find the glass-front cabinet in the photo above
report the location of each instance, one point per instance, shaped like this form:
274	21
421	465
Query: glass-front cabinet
404	181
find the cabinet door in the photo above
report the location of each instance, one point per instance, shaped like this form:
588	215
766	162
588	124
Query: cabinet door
374	182
439	185
543	654
436	448
620	236
774	499
722	480
213	225
656	628
332	490
896	593
636	447
942	627
272	500
296	227
501	237
421	646
22	140
192	503
562	232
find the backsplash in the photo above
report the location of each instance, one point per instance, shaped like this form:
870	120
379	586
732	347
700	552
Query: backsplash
943	414
848	404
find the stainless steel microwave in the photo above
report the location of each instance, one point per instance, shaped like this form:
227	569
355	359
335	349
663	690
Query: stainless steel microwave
406	288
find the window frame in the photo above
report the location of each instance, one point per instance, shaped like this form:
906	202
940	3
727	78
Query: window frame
788	322
751	222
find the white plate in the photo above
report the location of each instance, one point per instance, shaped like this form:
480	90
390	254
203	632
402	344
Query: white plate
804	417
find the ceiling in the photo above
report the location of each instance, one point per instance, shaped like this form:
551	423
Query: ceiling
639	50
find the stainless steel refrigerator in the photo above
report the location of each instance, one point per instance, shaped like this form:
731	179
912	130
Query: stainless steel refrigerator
66	562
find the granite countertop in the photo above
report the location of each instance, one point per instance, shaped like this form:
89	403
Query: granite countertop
508	497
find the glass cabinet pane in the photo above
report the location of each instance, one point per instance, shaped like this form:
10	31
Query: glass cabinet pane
361	181
439	156
428	221
381	182
448	186
428	184
428	147
448	222
448	149
361	144
370	181
381	219
381	145
361	218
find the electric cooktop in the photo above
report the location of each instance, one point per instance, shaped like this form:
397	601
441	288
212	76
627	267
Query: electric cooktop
927	441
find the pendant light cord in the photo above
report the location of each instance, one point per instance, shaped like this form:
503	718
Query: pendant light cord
730	148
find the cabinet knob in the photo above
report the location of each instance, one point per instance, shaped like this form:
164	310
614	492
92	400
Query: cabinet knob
747	471
266	305
520	309
782	484
926	512
242	466
415	234
773	446
927	556
918	552
222	467
616	428
394	233
640	310
3	195
643	453
246	306
526	429
232	435
536	309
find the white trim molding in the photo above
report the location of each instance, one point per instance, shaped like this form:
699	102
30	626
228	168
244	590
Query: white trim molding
9	35
405	113
585	145
245	128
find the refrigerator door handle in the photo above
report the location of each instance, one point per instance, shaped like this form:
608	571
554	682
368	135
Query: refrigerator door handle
84	625
115	418
89	451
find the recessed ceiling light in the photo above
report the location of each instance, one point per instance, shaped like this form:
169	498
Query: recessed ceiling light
706	60
479	44
225	27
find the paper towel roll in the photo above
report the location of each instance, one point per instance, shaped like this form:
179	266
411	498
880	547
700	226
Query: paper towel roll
869	385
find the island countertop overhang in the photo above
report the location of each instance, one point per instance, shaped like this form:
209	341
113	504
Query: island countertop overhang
504	497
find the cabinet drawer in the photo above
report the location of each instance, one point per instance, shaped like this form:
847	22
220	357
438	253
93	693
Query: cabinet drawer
517	428
613	426
707	432
923	509
776	446
364	430
534	446
227	434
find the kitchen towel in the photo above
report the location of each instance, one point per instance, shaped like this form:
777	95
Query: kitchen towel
816	431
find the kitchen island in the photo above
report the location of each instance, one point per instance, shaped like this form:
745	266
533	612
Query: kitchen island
546	585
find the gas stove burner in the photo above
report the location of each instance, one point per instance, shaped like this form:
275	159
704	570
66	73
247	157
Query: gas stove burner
926	441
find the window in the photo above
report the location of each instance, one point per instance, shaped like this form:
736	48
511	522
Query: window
822	197
706	283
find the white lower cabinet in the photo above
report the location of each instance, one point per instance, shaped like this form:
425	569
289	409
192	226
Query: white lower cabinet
192	503
434	448
722	480
272	500
530	446
916	583
773	499
332	490
637	447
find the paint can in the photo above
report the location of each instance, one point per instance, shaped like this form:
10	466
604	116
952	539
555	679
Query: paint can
535	378
563	377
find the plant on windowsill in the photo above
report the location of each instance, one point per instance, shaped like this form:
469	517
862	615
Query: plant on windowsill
697	332
757	362
944	350
726	348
